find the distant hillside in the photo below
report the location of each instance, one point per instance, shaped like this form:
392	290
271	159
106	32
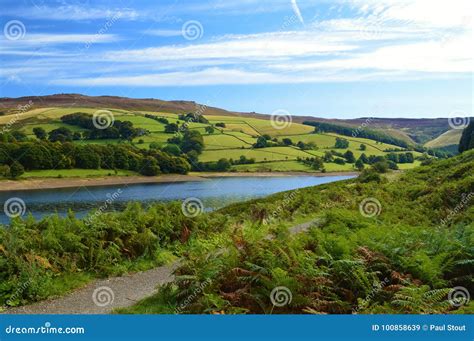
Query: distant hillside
413	131
77	100
449	138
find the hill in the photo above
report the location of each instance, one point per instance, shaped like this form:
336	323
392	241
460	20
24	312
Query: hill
449	138
246	143
413	131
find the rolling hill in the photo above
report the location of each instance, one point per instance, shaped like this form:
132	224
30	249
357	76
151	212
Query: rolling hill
226	135
413	131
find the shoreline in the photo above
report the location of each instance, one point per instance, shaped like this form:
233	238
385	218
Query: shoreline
55	183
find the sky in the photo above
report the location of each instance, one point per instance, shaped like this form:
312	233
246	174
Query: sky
334	59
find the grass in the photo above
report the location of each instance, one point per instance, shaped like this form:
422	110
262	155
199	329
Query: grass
231	142
261	154
451	137
74	173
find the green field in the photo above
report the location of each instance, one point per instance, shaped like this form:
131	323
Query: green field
232	141
449	138
74	173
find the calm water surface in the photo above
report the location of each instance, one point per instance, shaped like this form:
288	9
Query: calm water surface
214	193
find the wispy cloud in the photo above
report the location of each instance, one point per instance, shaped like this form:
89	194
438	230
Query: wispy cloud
383	40
163	33
71	12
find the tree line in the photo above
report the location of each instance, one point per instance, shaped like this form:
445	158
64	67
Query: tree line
17	157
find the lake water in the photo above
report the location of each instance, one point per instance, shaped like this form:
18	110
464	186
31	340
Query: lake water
214	193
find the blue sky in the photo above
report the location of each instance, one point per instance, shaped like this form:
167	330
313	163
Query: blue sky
340	58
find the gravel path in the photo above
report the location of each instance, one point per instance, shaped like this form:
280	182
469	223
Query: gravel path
103	296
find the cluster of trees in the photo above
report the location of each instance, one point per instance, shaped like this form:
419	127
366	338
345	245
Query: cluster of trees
49	155
119	129
189	141
193	117
222	165
363	133
266	141
341	143
467	138
315	163
157	118
401	158
243	160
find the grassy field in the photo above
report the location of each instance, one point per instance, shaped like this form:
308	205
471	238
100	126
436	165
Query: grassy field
74	173
451	137
231	142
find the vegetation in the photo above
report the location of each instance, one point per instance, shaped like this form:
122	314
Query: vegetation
403	260
467	138
364	133
21	156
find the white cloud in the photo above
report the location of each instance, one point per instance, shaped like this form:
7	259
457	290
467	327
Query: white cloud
71	12
385	40
255	46
164	33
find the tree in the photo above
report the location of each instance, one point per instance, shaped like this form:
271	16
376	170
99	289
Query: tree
209	129
287	141
261	142
16	169
328	157
171	128
40	133
380	167
192	140
467	138
349	156
362	146
60	134
364	158
223	165
341	143
359	165
149	166
172	149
